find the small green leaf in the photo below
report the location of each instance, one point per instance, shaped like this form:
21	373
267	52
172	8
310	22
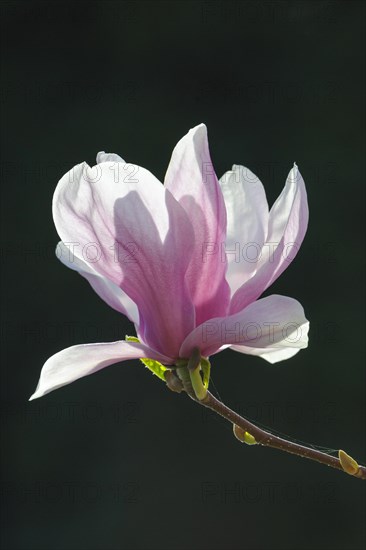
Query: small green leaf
132	339
156	368
249	439
206	369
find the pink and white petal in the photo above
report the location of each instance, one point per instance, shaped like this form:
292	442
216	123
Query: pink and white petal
102	156
192	181
247	223
274	321
108	291
288	220
136	235
75	362
272	355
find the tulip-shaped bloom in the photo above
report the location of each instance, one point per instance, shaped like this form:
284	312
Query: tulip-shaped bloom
185	261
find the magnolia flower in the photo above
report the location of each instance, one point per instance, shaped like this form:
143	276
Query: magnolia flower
185	261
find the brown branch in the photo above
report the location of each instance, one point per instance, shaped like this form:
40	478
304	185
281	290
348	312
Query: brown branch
245	431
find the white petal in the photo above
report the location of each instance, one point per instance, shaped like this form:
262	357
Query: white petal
191	179
137	236
102	156
108	291
274	322
247	223
287	225
272	355
73	363
281	210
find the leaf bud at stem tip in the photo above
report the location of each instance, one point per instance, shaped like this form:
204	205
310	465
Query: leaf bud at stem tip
348	463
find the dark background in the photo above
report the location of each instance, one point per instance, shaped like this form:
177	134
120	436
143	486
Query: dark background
115	460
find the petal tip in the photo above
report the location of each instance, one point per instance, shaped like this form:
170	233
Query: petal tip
102	156
199	129
295	169
34	396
